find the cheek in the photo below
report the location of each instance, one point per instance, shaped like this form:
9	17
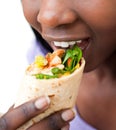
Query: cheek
102	21
100	14
30	10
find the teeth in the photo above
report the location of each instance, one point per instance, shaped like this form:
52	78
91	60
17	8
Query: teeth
61	44
72	43
57	44
79	41
66	44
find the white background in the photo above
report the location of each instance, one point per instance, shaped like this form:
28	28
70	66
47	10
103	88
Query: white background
15	35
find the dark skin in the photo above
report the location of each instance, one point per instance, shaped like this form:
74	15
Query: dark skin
97	100
94	23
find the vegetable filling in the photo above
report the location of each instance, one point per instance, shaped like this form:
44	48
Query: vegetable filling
57	64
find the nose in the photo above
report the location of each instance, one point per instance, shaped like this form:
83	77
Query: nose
54	13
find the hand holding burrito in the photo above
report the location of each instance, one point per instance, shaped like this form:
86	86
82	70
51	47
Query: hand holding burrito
58	75
16	117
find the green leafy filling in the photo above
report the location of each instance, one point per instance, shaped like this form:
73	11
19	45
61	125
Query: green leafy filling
71	58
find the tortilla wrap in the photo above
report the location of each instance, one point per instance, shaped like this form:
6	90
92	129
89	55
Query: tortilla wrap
62	92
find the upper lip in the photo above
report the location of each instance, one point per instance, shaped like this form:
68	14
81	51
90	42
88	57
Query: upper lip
65	38
72	37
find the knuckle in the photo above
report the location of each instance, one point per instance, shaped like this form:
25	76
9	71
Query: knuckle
55	122
28	111
25	111
3	124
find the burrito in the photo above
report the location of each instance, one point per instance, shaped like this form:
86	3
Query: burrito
57	75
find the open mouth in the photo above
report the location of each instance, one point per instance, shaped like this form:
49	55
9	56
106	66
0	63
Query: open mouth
69	44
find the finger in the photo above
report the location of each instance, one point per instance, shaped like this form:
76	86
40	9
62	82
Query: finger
18	116
11	108
67	127
56	121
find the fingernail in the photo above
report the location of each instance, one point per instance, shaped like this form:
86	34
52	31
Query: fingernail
68	115
65	127
42	102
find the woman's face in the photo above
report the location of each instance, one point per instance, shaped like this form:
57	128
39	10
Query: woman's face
89	24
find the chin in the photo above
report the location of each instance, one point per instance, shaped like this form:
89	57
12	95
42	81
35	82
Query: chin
89	66
87	70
